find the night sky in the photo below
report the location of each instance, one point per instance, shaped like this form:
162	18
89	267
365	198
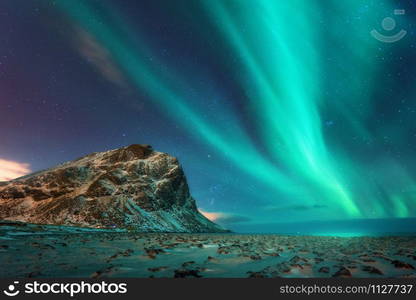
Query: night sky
279	111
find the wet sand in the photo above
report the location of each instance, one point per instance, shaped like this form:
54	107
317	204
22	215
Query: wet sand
41	252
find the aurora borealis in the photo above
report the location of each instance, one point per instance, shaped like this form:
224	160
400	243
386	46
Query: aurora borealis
279	111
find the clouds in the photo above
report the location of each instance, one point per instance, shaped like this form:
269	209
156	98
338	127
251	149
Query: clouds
212	216
98	56
227	219
12	169
224	218
298	207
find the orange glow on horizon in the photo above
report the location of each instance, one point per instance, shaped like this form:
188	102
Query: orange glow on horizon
12	169
212	216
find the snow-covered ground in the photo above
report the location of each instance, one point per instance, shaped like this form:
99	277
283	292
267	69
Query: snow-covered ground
55	251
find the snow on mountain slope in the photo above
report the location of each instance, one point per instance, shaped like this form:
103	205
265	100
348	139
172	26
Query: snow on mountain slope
133	187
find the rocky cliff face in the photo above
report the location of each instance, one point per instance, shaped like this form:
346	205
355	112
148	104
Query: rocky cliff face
133	187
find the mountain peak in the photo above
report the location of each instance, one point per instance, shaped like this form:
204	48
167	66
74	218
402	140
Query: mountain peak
132	152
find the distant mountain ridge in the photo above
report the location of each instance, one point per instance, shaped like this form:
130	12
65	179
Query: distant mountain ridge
133	187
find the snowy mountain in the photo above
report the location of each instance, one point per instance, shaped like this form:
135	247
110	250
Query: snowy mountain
133	187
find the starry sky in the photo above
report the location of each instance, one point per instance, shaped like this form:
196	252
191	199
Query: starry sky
279	111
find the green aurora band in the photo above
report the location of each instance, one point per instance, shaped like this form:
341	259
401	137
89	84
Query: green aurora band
278	47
